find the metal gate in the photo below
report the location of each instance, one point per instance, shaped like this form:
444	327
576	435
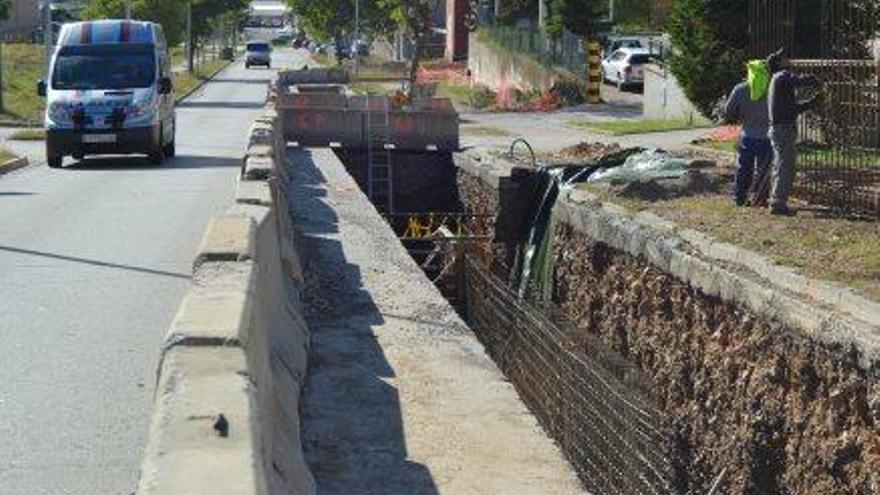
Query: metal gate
839	144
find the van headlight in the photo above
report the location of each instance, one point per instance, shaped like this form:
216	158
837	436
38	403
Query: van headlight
141	109
59	111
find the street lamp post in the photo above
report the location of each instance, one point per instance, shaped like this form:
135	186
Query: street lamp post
189	40
357	35
47	33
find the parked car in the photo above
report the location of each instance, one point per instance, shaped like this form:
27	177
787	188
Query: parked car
341	50
258	53
624	67
109	92
614	44
360	47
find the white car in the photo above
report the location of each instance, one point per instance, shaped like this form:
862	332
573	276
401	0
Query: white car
624	66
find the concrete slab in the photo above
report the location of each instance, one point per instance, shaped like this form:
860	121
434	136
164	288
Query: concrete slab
400	395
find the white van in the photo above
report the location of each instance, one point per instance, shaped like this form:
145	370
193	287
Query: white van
109	92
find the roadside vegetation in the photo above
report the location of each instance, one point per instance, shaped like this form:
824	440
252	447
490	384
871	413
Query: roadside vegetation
184	82
28	134
6	155
22	68
622	127
823	247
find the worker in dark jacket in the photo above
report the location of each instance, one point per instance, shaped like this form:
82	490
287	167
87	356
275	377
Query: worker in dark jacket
747	105
784	110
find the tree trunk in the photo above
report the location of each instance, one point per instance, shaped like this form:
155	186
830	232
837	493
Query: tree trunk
414	65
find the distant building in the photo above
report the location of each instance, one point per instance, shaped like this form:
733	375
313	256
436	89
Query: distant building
24	19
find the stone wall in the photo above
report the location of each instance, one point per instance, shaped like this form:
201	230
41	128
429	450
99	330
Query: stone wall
500	69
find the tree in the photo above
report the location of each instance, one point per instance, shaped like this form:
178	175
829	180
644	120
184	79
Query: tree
577	16
512	11
710	47
326	20
5	7
636	13
168	13
413	17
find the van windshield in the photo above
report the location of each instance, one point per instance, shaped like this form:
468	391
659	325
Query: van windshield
104	67
258	47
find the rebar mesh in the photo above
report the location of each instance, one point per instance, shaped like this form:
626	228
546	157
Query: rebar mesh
592	402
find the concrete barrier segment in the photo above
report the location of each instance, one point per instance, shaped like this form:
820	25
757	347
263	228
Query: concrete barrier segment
253	192
237	347
213	319
202	438
257	168
227	238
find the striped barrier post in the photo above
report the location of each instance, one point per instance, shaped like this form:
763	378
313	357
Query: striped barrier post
594	72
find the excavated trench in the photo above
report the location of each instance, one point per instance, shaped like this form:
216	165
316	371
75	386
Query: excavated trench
647	385
597	407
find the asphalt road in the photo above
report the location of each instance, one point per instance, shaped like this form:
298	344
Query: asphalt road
94	260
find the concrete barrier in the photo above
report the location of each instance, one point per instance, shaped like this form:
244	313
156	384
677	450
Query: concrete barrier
225	420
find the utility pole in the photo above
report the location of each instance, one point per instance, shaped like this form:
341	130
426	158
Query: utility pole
128	10
357	35
189	39
47	34
542	14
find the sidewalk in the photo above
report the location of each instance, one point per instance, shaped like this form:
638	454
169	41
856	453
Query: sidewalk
400	395
550	131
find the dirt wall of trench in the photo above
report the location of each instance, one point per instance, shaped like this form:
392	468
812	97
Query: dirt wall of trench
779	411
782	413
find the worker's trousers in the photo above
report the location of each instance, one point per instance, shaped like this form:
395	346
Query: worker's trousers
783	138
755	155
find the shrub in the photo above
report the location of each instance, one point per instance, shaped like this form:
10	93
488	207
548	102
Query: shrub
710	43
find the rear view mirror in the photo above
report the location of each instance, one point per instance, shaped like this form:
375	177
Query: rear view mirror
41	88
165	86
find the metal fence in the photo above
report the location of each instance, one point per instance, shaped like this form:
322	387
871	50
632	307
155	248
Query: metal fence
838	41
594	404
567	51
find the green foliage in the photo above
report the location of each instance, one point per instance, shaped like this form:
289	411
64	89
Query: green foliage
328	19
710	40
578	16
512	11
171	14
168	13
633	12
5	9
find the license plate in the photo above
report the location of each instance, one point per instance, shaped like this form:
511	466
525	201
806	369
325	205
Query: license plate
99	138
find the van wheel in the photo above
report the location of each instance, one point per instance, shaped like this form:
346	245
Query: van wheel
156	157
247	65
54	161
169	149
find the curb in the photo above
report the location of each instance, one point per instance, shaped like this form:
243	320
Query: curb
205	81
13	164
